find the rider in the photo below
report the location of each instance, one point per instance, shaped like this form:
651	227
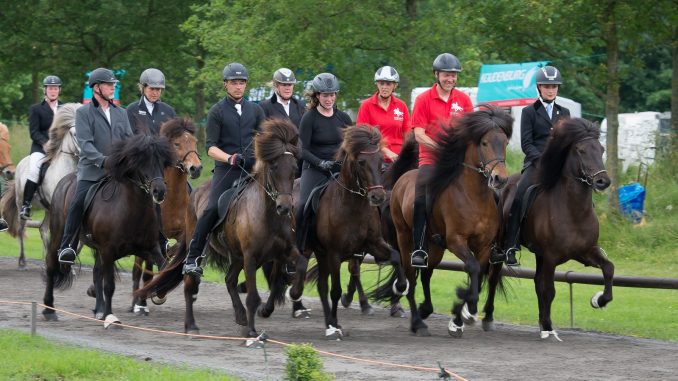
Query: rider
40	117
282	104
440	105
150	108
231	126
536	122
387	112
97	125
320	133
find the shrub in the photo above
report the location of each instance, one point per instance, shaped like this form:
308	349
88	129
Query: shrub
304	364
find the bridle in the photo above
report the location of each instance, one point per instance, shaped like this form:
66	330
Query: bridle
146	184
482	168
180	163
75	142
362	190
585	177
269	188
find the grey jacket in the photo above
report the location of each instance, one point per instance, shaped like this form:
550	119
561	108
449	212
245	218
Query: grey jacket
95	137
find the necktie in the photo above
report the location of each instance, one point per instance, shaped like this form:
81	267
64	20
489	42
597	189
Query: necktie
549	109
238	108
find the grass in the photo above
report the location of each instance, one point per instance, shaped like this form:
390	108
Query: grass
648	249
28	357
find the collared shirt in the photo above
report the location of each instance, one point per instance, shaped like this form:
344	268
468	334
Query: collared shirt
548	106
107	112
431	113
284	103
149	105
394	122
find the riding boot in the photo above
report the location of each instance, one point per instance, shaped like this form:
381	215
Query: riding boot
198	242
511	237
419	255
29	191
69	241
3	225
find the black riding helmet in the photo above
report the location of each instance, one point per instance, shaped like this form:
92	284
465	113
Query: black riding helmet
101	75
446	62
235	70
51	80
325	83
549	75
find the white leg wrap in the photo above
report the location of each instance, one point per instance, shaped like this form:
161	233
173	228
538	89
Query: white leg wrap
333	331
110	319
595	298
288	297
453	327
546	334
466	315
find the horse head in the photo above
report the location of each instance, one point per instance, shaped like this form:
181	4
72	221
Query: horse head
584	160
62	139
142	160
362	156
6	164
181	134
492	158
276	150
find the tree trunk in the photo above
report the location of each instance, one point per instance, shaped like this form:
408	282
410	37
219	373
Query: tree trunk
199	98
673	134
406	83
612	104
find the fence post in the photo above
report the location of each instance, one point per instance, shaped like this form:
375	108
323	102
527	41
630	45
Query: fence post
571	308
34	312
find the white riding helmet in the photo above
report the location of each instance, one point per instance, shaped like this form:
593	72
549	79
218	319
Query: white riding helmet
388	74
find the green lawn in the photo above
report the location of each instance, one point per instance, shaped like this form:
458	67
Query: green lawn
33	358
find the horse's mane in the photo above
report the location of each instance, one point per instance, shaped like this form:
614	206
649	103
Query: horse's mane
131	156
63	120
359	139
4	132
453	141
563	135
175	127
276	137
407	159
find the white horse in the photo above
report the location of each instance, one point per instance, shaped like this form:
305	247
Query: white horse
62	152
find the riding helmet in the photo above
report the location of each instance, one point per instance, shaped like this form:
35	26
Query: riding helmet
101	75
325	83
548	75
388	74
152	78
235	70
284	75
51	80
447	62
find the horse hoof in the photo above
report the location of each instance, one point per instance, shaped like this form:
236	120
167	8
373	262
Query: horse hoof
244	330
397	311
110	320
367	310
455	330
301	314
488	326
422	332
140	310
467	316
345	301
23	268
158	300
263	312
91	291
595	300
333	333
52	316
192	331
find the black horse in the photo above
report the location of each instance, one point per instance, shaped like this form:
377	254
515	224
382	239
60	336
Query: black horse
120	220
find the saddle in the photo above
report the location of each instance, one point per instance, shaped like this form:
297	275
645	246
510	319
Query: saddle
309	215
228	198
41	176
89	197
528	199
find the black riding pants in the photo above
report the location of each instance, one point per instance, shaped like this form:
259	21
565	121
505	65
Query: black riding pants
223	179
420	207
512	233
311	177
75	214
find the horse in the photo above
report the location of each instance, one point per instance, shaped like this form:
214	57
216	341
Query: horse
347	221
570	169
62	152
6	166
463	215
120	220
257	229
176	222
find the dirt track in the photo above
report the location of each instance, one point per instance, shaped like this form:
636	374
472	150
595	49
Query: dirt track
510	352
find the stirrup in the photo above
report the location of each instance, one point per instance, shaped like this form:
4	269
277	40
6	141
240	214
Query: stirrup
192	269
25	213
67	256
511	259
419	258
3	225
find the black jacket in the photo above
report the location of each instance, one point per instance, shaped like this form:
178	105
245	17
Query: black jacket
273	109
233	133
40	117
144	122
535	128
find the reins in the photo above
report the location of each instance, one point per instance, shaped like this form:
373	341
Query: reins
586	178
362	191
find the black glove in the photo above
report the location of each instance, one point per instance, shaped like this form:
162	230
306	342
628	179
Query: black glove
326	164
236	160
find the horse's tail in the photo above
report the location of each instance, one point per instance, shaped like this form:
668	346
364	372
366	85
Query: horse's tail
312	275
62	275
407	159
383	290
169	277
278	283
10	211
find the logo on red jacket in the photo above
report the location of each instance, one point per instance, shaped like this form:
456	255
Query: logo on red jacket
398	115
455	109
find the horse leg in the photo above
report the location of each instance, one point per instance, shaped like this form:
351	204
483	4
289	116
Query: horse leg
323	289
417	325
232	287
493	282
596	257
335	291
272	270
44	232
51	272
146	276
253	299
22	255
353	280
426	307
191	288
546	292
109	284
136	279
97	278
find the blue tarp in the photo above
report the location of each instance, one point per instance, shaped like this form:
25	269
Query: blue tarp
631	200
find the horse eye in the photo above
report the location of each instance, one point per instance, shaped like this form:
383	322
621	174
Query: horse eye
177	145
362	162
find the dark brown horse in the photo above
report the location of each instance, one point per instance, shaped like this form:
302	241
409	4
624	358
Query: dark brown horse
176	222
348	221
561	224
464	217
120	221
257	229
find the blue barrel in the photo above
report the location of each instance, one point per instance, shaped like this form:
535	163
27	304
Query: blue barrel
631	200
